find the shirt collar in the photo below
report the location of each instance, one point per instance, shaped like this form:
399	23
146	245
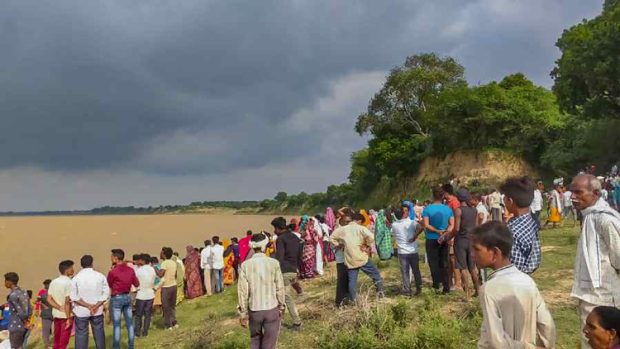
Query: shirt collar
519	219
501	271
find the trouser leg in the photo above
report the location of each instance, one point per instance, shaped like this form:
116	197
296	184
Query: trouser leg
342	283
96	323
403	260
290	278
271	329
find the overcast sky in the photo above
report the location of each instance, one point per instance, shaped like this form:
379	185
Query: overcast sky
162	102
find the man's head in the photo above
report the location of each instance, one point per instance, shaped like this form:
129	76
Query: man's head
405	209
46	284
166	253
541	186
279	225
248	233
518	193
492	243
143	259
476	198
463	196
66	268
234	240
207	243
86	261
117	256
438	194
259	242
11	280
134	258
399	213
448	189
586	190
216	240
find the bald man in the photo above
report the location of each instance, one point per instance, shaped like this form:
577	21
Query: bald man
597	264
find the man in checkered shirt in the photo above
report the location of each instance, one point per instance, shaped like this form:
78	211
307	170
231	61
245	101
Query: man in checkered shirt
518	195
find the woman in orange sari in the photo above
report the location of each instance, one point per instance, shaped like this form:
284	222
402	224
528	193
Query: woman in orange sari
229	264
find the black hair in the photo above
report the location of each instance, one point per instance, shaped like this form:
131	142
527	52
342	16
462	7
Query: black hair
167	252
358	217
118	253
46	282
279	223
135	257
609	318
145	257
12	277
494	234
448	188
438	193
476	196
519	189
29	293
398	212
86	261
320	218
248	233
258	237
64	265
216	240
207	242
235	240
154	260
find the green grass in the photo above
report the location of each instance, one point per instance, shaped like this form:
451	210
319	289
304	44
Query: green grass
429	321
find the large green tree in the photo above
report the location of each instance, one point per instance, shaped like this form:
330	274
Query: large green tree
587	75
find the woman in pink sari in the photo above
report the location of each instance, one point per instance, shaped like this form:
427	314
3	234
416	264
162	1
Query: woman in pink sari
192	273
308	265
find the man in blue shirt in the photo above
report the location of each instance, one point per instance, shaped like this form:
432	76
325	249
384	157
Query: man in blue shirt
438	221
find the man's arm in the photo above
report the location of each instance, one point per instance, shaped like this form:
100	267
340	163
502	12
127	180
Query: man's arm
334	239
492	334
280	246
429	227
611	236
21	307
243	294
135	280
279	280
545	327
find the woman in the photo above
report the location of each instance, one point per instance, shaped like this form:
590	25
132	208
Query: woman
229	263
383	237
555	204
318	242
602	328
328	253
308	264
192	273
157	301
366	221
330	219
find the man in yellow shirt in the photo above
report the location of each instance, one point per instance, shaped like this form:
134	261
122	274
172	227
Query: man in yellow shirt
356	241
168	273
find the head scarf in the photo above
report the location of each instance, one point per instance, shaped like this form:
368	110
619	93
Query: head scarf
189	249
260	244
295	225
330	218
304	221
366	221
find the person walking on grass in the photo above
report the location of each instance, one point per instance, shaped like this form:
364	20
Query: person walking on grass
597	263
45	311
58	296
514	314
438	221
288	254
89	292
146	295
168	271
356	241
217	252
20	311
526	251
261	295
406	232
121	278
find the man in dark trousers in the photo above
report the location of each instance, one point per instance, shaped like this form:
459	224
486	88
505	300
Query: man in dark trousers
287	253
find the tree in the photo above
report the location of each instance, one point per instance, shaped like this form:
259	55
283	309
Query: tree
281	197
587	74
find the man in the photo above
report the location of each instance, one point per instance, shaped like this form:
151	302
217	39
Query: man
356	241
205	265
120	279
537	203
526	251
454	204
20	311
483	213
235	250
45	311
217	266
495	202
287	253
405	233
89	291
261	296
59	298
597	263
167	272
568	206
146	295
438	220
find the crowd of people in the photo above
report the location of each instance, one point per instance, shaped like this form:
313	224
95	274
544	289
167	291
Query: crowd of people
485	243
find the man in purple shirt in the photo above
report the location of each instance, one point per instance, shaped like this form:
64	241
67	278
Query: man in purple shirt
120	279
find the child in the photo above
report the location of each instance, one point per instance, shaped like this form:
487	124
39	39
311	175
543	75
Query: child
514	312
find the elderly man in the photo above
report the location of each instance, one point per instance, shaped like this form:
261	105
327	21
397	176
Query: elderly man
597	263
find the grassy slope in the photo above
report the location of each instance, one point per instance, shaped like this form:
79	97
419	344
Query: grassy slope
211	322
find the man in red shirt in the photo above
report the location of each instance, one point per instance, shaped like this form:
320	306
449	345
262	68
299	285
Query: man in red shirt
120	279
454	204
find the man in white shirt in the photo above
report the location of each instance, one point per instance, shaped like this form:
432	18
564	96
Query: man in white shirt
89	291
597	262
568	205
59	298
405	232
495	200
217	266
145	296
205	264
483	213
537	204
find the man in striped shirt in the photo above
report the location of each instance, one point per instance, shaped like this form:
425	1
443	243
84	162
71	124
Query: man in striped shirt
261	295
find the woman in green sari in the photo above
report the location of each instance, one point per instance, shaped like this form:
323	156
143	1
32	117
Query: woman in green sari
383	237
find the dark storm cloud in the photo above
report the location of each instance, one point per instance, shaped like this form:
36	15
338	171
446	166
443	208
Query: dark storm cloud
206	88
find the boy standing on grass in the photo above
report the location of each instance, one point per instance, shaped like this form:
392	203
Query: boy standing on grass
514	312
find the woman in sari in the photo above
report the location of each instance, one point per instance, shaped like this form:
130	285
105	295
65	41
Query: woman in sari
229	263
330	219
383	237
192	273
308	263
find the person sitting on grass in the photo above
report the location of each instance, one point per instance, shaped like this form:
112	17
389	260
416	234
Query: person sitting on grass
602	328
514	312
